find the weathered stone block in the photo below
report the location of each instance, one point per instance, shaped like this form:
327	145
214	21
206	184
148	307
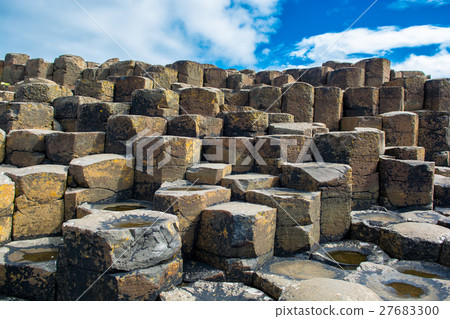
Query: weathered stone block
125	86
350	123
245	123
110	247
28	268
281	118
442	191
203	101
298	217
109	171
346	78
67	107
29	140
241	183
25	115
297	128
266	98
328	106
195	126
215	77
189	72
123	129
316	76
62	147
377	71
236	151
237	80
237	229
6	96
282	80
415	153
38	68
437	95
406	184
98	89
414	91
414	241
156	102
236	98
162	76
298	100
93	117
208	173
434	132
266	77
74	197
334	181
361	101
67	69
122	68
40	92
392	99
187	203
401	128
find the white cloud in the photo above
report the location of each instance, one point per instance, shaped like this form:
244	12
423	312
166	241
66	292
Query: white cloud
437	65
370	42
404	4
152	30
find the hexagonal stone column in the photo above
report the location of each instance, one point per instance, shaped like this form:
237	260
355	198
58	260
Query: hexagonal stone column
414	91
245	123
298	217
401	128
334	181
187	203
414	241
125	86
39	204
26	147
202	101
28	268
391	99
241	183
98	89
66	110
406	184
7	194
346	78
442	190
434	132
208	173
155	102
328	106
361	101
195	126
437	95
40	92
94	116
189	72
298	100
25	115
415	153
236	230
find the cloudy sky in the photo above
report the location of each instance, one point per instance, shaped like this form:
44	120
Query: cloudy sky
259	34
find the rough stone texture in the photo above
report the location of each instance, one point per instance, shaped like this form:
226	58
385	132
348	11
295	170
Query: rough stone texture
28	268
230	150
152	171
62	147
415	153
94	116
350	123
237	229
361	150
67	69
116	241
444	258
108	171
7	194
414	91
281	118
241	183
441	158
316	76
266	98
66	110
74	197
297	128
194	271
25	115
377	71
361	101
162	76
202	101
39	193
187	203
214	291
401	128
40	92
123	130
122	68
6	96
215	77
442	190
298	100
195	126
208	173
414	241
236	81
282	80
325	289
137	285
26	147
14	67
189	72
334	181
434	132
98	89
275	150
392	99
236	98
125	86
328	106
437	95
156	102
266	77
406	184
245	123
38	68
298	217
346	78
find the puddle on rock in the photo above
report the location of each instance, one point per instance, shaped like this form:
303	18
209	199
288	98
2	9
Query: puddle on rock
351	258
419	273
133	223
40	256
301	269
380	218
123	208
404	290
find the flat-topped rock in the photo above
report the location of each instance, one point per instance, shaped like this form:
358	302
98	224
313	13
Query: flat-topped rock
41	92
29	140
214	291
109	171
25	115
208	173
241	183
299	128
423	216
237	229
117	240
414	241
325	289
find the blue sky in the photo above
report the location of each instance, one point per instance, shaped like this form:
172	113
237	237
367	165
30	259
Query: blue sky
259	34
